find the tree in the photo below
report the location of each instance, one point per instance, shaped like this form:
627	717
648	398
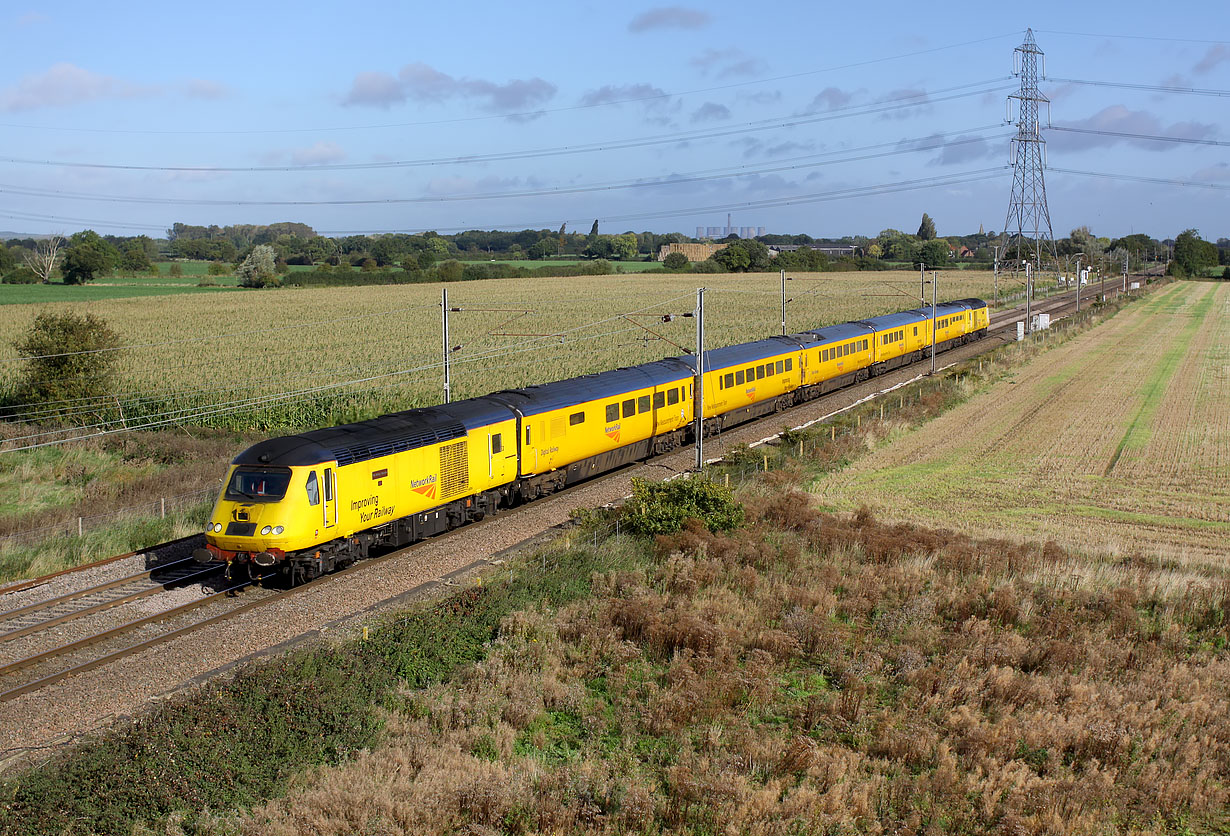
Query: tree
624	246
875	251
69	357
135	258
543	248
676	261
86	256
259	268
926	229
934	253
593	230
742	256
1192	253
42	260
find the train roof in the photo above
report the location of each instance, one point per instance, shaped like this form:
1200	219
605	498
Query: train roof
377	437
735	355
534	400
837	333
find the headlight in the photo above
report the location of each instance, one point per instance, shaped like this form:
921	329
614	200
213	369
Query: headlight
266	529
278	529
217	527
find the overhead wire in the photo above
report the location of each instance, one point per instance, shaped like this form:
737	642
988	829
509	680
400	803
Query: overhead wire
1149	137
512	115
903	146
1154	88
850	111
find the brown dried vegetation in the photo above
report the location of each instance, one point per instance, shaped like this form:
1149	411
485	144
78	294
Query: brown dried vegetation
815	674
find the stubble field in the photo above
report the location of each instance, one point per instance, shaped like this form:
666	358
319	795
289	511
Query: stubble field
1116	441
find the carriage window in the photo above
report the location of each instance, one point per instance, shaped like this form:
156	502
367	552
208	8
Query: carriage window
574	419
760	372
659	400
642	403
779	366
328	484
672	396
751	374
629	407
729	379
497	443
739	377
789	364
313	489
612	412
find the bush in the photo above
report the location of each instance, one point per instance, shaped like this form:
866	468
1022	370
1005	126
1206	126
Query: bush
176	271
259	269
70	360
661	507
218	268
21	275
676	261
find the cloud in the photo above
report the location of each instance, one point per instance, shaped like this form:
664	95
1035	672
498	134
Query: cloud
711	112
1118	119
422	83
200	88
64	85
1215	56
954	150
753	147
1218	172
728	63
450	186
655	100
669	17
911	100
321	153
762	97
830	98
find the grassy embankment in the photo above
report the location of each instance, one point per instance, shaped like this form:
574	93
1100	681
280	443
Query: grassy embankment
192	355
804	673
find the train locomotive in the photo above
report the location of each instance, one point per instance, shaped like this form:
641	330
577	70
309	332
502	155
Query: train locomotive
307	504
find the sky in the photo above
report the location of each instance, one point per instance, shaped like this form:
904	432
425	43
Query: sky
829	119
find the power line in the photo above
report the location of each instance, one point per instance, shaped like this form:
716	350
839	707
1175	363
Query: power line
1161	181
1154	88
813	117
1132	37
515	115
905	146
1150	137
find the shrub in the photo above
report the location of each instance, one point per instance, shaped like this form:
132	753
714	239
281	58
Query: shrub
662	507
218	268
259	268
70	357
176	271
21	275
676	261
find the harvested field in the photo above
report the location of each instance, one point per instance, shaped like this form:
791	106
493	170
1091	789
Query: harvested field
1116	441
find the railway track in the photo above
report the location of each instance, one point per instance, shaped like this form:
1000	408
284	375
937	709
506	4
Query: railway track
50	660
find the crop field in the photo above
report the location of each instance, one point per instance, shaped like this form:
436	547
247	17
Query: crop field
301	357
1116	441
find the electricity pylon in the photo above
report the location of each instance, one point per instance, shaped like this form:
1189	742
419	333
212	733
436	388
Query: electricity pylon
1029	220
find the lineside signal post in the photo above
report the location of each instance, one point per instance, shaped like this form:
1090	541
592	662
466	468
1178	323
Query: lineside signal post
698	391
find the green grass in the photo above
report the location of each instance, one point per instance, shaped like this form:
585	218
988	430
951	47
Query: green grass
26	294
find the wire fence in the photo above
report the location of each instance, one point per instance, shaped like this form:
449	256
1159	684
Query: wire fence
82	525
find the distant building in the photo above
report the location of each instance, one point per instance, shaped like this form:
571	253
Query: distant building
694	252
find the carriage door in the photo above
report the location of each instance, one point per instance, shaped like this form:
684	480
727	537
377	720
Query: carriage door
330	498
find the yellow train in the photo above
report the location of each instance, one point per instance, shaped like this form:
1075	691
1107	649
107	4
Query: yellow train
306	504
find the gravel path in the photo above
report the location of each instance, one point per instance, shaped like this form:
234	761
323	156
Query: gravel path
65	710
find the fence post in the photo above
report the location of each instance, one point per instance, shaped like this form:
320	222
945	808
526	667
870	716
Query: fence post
78	526
163	500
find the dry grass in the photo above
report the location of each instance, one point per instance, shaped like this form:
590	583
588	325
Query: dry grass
1115	441
813	674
